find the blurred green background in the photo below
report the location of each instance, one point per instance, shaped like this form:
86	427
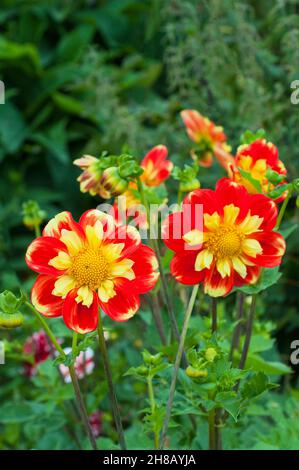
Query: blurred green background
86	76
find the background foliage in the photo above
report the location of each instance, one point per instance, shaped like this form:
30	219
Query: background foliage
87	76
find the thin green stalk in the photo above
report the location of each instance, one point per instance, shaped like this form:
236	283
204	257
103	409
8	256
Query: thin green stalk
214	415
177	366
81	406
74	343
153	299
37	230
237	331
112	393
212	433
248	334
153	406
283	209
155	246
78	395
214	314
46	328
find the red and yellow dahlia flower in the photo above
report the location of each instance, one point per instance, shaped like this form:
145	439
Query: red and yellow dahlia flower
256	158
223	238
156	166
87	265
211	139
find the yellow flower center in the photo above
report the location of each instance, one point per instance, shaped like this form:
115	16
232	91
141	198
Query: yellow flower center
90	268
225	242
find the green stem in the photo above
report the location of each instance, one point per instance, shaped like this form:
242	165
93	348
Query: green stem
177	365
214	314
153	407
237	331
79	398
46	328
74	343
153	299
82	408
212	430
112	393
155	246
248	334
283	209
37	230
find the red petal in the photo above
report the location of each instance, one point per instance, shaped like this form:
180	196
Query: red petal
253	273
78	317
41	251
216	286
157	155
266	208
206	197
173	230
92	216
145	269
229	192
61	221
182	268
123	305
42	298
128	235
273	245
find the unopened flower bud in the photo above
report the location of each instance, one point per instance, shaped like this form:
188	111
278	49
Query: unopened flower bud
196	373
111	183
210	354
32	214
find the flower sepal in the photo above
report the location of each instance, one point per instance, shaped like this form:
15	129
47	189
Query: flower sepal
10	315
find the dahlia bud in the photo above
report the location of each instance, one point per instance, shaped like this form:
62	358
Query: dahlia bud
111	183
187	177
210	354
196	373
10	317
33	215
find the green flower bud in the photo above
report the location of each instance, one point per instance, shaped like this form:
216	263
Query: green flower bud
111	183
33	215
196	373
10	317
210	354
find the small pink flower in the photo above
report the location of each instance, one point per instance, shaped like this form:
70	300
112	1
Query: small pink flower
95	421
84	365
37	346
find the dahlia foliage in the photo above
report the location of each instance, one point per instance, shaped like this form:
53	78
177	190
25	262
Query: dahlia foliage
221	240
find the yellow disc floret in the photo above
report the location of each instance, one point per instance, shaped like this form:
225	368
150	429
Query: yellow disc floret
90	268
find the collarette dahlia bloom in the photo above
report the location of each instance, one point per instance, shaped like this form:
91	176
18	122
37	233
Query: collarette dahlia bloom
87	265
223	238
156	166
256	158
210	139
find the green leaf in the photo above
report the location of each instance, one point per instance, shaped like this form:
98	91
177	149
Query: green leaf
74	43
256	385
24	56
257	363
248	136
16	413
68	104
268	278
13	130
